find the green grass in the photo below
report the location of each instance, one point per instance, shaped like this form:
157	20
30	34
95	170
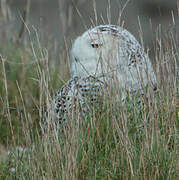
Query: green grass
130	141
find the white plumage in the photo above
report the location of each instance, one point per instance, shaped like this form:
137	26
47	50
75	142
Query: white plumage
106	50
102	54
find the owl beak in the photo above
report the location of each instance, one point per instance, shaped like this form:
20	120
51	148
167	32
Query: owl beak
76	59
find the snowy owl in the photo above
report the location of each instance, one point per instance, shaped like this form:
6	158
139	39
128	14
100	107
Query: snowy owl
101	54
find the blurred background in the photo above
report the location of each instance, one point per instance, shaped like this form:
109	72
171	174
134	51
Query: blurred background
59	21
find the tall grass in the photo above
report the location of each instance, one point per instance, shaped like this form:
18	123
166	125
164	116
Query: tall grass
123	141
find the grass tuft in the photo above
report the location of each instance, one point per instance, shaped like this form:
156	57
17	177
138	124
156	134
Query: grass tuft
123	141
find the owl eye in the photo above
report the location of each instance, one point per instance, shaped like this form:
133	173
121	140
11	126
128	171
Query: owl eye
95	45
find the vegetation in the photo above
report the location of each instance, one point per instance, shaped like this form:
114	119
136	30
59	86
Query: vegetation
124	141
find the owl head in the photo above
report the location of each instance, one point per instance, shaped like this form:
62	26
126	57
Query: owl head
109	50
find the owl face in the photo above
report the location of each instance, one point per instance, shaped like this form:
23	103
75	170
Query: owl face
92	53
